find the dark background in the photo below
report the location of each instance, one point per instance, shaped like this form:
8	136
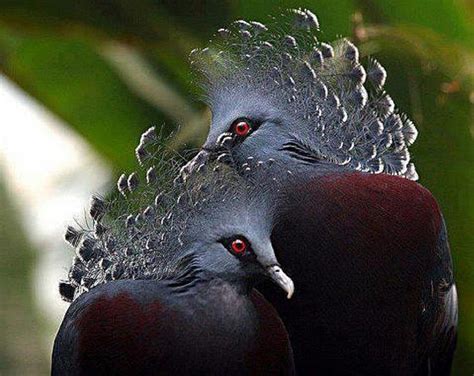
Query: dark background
110	69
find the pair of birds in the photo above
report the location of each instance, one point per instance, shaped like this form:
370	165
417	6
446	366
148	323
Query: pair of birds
305	173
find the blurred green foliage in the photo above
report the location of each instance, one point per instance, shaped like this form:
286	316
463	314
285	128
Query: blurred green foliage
64	53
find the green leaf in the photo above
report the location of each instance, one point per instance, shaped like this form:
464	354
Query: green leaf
73	81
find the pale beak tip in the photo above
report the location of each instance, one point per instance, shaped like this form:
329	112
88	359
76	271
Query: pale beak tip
291	292
282	280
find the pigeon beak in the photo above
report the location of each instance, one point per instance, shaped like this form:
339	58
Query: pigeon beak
278	276
201	158
266	258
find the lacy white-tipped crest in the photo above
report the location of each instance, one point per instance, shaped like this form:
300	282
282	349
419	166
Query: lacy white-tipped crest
147	230
322	86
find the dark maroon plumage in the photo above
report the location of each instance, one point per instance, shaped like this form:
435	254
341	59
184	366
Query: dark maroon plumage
374	285
375	292
208	327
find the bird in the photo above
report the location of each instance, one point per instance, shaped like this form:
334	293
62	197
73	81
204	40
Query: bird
162	281
365	244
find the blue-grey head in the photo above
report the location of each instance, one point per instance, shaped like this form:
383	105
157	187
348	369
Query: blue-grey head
215	224
278	92
229	233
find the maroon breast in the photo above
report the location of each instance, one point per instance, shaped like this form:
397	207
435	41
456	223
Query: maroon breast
272	353
381	203
360	248
119	333
376	217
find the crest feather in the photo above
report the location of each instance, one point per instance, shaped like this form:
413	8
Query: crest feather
323	85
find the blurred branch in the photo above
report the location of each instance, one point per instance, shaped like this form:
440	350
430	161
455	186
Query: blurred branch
145	82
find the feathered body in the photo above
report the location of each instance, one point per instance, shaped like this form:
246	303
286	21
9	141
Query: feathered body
313	148
168	327
375	292
158	285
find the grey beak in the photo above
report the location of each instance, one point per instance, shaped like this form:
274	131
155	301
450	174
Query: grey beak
200	159
281	279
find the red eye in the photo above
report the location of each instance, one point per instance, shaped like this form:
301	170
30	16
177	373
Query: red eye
242	128
239	246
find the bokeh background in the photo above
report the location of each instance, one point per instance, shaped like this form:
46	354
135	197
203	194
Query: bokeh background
80	80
